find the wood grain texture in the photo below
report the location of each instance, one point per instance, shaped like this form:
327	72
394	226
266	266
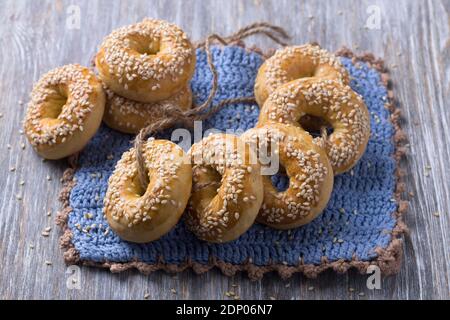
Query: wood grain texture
413	38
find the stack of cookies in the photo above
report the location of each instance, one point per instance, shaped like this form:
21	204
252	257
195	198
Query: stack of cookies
144	67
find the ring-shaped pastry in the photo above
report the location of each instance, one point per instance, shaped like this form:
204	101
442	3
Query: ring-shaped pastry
130	116
227	188
65	111
147	62
139	215
297	62
309	171
342	108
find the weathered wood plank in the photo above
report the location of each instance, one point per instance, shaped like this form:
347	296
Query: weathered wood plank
414	40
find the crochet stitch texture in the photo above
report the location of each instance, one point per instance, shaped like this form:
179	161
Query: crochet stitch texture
359	217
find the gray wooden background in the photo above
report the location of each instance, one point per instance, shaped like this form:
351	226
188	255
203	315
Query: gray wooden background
413	38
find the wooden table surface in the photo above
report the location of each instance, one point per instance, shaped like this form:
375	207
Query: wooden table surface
412	37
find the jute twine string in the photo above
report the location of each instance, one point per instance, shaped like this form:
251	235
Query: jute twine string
173	115
276	33
324	135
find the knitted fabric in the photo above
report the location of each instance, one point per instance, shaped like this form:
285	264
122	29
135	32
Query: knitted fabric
357	225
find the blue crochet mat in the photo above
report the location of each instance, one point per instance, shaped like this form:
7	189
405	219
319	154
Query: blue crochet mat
358	219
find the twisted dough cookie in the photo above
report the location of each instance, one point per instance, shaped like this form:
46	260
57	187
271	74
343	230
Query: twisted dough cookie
64	112
297	62
332	101
148	61
130	116
227	188
309	171
145	215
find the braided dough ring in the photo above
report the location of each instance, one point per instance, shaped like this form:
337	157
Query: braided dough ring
148	61
227	188
310	176
332	101
296	62
64	112
145	215
130	116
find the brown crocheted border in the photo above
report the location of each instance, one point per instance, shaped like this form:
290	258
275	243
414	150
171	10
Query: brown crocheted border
388	259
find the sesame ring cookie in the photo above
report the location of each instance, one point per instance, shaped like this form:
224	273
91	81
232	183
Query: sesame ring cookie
139	215
147	62
227	188
337	104
131	116
296	62
65	111
309	171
